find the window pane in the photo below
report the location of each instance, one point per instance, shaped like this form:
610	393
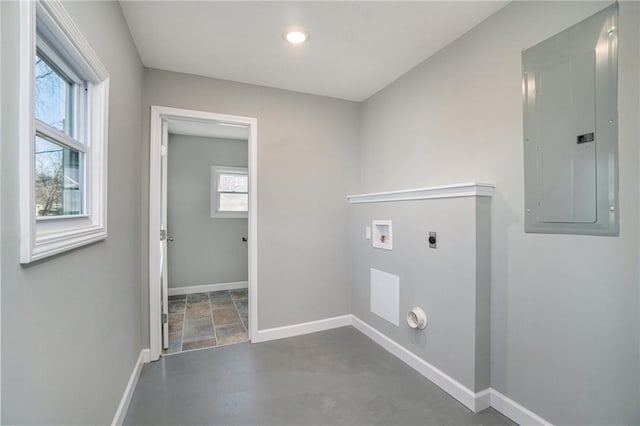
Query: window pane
58	179
233	183
53	97
234	202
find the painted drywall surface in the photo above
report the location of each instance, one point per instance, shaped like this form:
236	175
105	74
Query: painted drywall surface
482	350
441	281
564	309
205	250
1	49
636	100
70	329
306	165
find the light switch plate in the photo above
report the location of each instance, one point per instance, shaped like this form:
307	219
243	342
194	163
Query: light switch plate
367	232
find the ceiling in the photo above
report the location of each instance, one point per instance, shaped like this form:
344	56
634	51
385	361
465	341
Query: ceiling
209	129
355	48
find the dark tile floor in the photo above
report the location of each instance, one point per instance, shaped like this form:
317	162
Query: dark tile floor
204	320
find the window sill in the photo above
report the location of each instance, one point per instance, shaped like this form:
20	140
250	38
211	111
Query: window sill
230	215
56	218
52	243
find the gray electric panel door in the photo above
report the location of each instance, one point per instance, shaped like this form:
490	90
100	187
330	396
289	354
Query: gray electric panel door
570	129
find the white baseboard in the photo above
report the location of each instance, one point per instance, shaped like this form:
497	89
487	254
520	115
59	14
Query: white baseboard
121	412
299	329
174	291
482	400
515	411
474	401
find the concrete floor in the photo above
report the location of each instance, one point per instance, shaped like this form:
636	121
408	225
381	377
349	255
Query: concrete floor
334	377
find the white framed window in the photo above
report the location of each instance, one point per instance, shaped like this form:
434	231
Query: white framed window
229	192
63	134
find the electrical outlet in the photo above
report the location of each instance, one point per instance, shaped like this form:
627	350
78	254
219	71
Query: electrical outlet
433	242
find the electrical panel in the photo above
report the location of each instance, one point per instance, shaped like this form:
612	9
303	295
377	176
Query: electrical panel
571	129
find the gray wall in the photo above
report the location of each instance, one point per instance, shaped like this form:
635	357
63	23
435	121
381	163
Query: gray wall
70	334
307	147
564	335
565	321
448	282
205	250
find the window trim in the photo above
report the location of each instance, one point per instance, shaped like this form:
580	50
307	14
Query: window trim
40	238
215	199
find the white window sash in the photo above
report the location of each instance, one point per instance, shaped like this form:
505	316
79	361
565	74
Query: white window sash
53	56
60	137
233	192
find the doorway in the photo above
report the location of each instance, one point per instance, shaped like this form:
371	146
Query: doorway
231	190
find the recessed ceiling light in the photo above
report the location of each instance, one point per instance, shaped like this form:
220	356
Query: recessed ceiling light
296	37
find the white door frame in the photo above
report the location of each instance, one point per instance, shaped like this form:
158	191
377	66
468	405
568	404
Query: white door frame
159	113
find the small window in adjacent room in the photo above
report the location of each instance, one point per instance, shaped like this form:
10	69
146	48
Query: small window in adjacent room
229	192
63	134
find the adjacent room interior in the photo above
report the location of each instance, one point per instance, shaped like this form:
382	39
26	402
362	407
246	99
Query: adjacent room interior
320	212
207	254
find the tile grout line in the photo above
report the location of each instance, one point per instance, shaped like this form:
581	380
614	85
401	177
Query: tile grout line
184	320
184	323
233	300
215	335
